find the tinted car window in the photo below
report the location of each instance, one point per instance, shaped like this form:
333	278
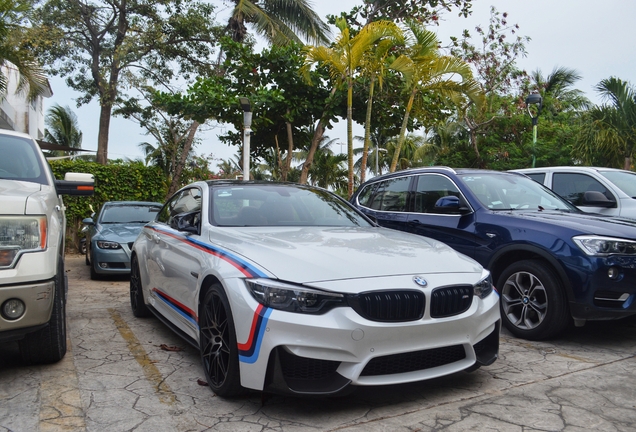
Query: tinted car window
430	188
572	186
20	160
185	201
389	195
625	181
268	205
128	213
538	177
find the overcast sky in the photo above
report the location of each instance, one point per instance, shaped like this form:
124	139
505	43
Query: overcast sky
597	39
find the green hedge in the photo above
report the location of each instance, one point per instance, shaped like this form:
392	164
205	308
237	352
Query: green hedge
117	181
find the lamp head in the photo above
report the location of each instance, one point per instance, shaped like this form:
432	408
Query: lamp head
245	104
534	99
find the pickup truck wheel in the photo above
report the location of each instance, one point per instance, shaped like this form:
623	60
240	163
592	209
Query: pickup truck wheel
48	345
533	304
137	304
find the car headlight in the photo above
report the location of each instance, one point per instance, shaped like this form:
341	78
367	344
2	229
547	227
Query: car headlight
103	244
483	288
21	233
604	246
292	298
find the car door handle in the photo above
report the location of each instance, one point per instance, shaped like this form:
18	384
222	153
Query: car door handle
156	238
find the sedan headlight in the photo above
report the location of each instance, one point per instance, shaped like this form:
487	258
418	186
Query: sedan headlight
483	288
103	244
292	298
604	246
21	233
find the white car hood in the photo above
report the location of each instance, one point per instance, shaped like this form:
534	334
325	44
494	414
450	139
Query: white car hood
15	194
318	254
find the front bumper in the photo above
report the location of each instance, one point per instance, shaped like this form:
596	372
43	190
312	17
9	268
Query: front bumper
323	354
111	261
38	299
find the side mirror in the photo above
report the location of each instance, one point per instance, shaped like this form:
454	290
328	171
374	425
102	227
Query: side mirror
450	204
88	221
597	199
188	222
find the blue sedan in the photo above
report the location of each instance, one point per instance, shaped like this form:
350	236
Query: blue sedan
109	238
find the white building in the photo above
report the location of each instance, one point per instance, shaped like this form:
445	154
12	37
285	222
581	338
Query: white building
16	111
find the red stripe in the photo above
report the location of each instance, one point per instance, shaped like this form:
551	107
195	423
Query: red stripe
181	305
248	344
227	259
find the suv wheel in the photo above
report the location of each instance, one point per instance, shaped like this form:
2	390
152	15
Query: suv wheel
533	304
48	345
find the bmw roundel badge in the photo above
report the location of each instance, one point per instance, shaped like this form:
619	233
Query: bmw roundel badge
420	281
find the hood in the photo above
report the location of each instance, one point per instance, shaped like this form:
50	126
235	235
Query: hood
583	223
15	194
318	254
121	233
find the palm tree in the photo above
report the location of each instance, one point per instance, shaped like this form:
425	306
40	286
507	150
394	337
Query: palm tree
12	55
557	89
611	127
62	128
343	59
230	168
278	21
425	70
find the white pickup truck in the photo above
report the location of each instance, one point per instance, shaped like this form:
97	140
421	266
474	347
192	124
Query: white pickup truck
32	227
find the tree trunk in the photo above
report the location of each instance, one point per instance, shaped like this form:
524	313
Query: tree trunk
628	163
320	130
187	145
290	148
350	135
102	137
367	133
402	137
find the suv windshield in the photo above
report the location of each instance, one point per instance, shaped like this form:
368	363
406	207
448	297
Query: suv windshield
20	160
624	180
513	192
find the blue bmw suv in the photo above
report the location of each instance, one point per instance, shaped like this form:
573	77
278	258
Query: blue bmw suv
552	263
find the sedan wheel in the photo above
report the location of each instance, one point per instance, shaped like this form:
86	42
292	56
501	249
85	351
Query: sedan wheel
217	341
137	304
532	301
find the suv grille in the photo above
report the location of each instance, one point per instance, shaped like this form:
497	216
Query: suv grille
449	301
414	361
389	306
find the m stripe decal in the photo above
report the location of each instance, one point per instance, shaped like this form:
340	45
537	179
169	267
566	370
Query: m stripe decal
243	266
248	351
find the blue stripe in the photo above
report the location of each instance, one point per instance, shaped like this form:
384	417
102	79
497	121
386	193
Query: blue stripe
178	310
259	339
255	271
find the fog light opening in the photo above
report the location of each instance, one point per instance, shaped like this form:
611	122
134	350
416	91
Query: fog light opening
13	309
613	273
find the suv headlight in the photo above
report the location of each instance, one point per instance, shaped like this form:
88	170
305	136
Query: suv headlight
483	288
604	246
102	244
292	298
20	234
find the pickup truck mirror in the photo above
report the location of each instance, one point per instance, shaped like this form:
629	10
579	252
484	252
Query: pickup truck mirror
597	199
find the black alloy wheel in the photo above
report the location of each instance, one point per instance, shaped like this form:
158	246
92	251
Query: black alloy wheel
217	342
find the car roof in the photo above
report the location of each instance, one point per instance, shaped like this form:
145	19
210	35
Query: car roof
15	133
437	169
567	168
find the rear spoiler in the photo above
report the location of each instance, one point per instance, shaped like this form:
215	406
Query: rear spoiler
77	184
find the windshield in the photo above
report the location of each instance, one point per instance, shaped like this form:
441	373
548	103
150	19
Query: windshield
624	180
118	214
20	160
505	191
280	205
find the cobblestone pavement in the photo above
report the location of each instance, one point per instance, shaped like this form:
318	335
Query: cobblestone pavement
119	376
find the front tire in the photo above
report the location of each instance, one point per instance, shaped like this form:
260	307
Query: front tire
217	342
533	304
137	303
48	345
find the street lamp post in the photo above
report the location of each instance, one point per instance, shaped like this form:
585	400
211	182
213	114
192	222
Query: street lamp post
536	100
247	124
